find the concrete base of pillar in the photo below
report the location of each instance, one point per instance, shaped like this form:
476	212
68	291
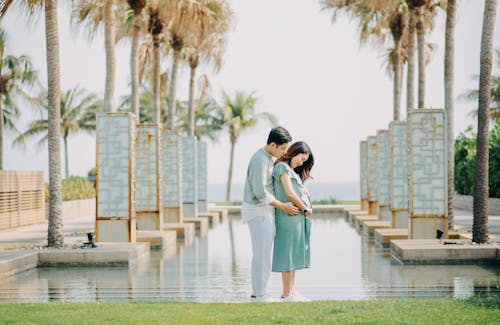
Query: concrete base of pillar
189	210
149	220
369	227
426	227
172	214
113	231
200	224
400	218
202	206
384	213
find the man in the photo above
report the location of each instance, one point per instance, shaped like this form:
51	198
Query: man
258	208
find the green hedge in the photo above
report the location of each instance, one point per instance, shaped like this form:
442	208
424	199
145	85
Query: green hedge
74	188
465	161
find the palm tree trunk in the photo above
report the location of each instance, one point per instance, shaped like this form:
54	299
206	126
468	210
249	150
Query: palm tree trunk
134	66
55	228
410	78
480	205
156	78
171	98
191	122
1	134
421	58
230	175
109	41
449	54
397	83
66	162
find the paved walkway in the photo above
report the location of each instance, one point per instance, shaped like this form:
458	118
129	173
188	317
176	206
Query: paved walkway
75	229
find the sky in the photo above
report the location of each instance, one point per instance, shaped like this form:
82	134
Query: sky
311	74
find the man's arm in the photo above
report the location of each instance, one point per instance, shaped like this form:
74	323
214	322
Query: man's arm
258	178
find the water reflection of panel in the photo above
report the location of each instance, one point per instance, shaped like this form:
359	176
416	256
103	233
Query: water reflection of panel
363	174
202	176
115	177
189	177
427	170
383	176
372	174
172	177
148	180
398	144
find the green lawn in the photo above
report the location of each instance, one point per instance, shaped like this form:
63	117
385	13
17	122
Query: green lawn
401	311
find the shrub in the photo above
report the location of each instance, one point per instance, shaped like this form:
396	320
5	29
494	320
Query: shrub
74	188
465	162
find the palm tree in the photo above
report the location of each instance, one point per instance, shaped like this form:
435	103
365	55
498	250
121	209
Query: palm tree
78	113
239	115
480	205
137	7
423	13
92	14
376	20
473	95
208	45
186	19
14	72
449	53
157	16
55	236
209	120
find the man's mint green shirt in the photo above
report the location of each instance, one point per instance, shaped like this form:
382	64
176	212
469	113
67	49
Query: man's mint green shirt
259	181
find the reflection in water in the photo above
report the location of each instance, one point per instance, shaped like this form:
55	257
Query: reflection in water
344	265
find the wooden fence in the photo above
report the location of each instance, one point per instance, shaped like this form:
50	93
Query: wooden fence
21	198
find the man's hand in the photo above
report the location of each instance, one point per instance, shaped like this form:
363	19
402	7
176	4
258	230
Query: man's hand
290	208
309	212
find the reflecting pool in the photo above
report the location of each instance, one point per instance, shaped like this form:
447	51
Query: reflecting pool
216	268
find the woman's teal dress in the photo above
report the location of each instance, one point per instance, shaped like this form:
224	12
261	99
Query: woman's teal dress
291	243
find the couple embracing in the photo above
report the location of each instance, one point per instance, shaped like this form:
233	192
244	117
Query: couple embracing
277	208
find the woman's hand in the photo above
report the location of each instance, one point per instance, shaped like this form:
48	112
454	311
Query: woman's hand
309	212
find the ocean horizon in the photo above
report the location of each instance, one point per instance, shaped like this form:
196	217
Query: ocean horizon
318	190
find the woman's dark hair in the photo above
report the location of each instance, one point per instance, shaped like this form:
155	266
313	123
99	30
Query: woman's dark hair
295	149
279	135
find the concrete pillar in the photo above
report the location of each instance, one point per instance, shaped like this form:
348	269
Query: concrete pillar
115	177
427	171
171	177
148	180
383	176
363	176
372	175
202	176
398	143
189	177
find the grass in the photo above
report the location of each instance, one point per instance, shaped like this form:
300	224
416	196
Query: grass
401	311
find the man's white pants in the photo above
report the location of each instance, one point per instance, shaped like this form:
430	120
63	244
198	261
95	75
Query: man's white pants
262	231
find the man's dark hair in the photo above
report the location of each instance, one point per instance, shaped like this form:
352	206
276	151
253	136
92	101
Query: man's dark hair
279	135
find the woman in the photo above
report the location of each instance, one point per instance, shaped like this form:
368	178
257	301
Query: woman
291	243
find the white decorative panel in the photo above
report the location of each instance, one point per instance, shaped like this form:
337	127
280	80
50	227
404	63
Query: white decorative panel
189	170
427	164
383	168
372	168
363	172
115	165
147	167
399	164
171	170
202	171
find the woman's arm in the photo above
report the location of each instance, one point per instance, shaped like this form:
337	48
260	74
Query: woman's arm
286	181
